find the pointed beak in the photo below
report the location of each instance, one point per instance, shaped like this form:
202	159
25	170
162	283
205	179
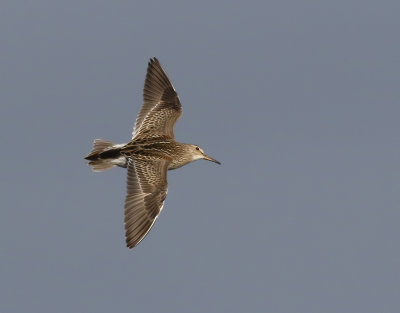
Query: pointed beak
208	158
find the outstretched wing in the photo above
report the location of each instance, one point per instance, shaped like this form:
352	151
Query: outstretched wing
146	192
161	107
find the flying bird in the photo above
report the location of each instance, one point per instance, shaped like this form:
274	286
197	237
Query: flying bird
149	155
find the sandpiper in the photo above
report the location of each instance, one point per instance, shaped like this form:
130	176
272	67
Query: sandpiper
147	157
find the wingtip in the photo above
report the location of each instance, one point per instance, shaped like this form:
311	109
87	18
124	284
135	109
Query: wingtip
153	61
131	245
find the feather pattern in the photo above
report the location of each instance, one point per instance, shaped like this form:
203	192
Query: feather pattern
147	188
161	107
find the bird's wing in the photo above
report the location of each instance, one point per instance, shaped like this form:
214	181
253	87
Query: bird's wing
147	188
161	107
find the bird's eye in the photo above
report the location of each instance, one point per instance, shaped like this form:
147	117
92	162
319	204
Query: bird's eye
197	148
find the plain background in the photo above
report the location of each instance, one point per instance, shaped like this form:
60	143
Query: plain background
299	100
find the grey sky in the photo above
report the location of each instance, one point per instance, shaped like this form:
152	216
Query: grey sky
299	100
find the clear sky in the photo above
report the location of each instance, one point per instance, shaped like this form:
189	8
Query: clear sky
298	99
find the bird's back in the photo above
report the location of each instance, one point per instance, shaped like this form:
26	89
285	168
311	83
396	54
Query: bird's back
157	147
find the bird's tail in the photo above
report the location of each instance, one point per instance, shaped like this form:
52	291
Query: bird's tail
105	155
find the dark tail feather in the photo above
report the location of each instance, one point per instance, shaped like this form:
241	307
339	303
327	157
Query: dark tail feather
104	156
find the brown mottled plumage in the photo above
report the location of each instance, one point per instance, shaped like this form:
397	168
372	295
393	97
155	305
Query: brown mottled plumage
151	152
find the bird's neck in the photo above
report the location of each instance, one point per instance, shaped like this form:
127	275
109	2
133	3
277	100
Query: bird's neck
182	156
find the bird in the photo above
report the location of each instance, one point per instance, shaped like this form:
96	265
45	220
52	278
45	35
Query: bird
151	152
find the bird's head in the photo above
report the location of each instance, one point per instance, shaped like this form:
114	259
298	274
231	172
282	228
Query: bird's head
198	153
